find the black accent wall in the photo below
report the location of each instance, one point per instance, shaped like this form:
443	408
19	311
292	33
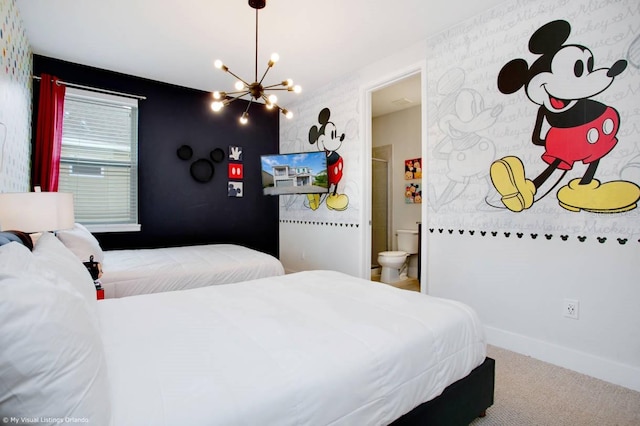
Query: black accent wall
175	209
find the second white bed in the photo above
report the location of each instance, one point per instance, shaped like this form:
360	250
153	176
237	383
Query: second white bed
143	271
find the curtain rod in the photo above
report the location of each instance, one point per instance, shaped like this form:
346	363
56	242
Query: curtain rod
94	89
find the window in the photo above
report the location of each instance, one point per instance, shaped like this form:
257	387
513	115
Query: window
99	160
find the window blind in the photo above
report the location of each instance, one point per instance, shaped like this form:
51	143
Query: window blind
99	161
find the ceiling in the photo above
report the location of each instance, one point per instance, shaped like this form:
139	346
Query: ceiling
177	42
400	95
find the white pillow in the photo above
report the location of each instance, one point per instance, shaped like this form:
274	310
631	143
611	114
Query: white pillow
52	362
16	258
82	243
54	258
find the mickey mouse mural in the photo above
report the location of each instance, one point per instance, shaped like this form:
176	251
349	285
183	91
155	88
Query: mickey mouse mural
569	125
327	139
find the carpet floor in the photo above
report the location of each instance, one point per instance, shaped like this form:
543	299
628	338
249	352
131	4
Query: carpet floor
529	392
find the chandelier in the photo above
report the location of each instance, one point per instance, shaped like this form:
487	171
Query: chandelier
256	90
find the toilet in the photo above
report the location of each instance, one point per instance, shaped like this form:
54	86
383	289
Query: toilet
392	262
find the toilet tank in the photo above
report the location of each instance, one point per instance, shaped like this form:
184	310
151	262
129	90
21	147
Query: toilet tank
408	240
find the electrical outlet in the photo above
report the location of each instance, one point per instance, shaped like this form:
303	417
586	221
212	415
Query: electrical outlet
570	308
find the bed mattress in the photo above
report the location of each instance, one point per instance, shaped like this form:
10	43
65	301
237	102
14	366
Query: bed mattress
310	348
132	272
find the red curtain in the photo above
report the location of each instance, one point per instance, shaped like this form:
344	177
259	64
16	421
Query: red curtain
48	144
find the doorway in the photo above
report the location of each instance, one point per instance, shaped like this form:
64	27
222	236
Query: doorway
391	97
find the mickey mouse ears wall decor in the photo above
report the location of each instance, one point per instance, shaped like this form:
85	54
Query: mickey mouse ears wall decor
217	155
202	169
185	152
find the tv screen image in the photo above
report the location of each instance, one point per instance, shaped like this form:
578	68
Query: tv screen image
295	173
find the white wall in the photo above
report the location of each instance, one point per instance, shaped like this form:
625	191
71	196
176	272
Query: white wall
305	247
326	238
515	284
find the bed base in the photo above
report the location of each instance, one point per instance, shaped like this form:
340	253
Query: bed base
459	404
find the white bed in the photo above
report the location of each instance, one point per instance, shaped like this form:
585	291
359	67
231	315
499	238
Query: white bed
143	271
315	347
311	348
131	272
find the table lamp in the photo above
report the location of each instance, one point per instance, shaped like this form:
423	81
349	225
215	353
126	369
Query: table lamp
36	212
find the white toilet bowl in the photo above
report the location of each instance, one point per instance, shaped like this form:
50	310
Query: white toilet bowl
391	263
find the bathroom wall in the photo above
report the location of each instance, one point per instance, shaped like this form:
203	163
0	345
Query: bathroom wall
402	131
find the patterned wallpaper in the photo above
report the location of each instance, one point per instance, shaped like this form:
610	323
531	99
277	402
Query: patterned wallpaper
472	124
15	100
337	107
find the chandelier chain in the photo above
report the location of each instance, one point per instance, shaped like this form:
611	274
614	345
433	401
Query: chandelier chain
256	61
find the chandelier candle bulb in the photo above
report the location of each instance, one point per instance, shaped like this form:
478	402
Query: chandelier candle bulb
218	64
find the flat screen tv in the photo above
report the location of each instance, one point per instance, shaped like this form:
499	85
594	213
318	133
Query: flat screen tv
295	173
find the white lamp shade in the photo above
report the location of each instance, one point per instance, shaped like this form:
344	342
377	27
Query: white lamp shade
36	211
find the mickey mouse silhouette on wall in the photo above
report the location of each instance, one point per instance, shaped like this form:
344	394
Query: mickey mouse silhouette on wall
327	139
202	169
570	126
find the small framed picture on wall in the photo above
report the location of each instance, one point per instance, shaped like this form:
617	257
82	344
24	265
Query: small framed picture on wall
413	169
235	171
235	189
412	193
235	153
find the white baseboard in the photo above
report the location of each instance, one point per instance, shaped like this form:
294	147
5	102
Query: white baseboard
600	368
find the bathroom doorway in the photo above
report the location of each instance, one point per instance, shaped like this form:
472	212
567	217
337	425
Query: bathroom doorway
396	130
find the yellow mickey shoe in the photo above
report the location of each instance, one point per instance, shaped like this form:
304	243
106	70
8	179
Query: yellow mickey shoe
337	202
314	201
609	197
508	177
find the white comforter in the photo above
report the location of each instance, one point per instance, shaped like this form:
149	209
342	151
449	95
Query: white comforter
131	272
311	348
